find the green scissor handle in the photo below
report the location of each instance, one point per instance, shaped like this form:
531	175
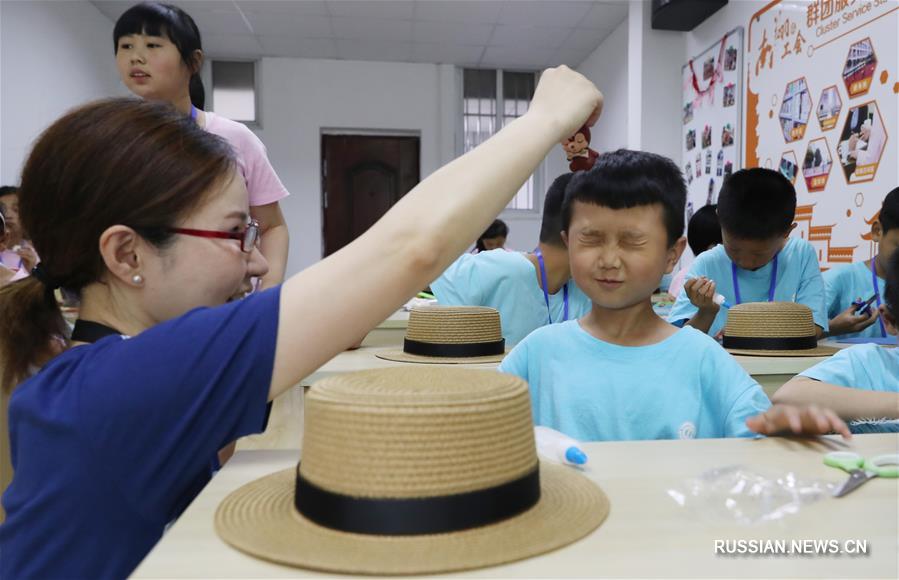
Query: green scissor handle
845	460
884	465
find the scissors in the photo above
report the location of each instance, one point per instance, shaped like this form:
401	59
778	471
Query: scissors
860	469
864	308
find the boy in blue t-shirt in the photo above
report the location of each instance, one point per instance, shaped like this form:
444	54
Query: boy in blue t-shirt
861	280
861	381
528	290
757	260
621	372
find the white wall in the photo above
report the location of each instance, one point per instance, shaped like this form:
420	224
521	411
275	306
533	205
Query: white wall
607	67
53	56
301	98
660	109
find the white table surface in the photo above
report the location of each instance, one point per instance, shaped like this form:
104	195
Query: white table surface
646	534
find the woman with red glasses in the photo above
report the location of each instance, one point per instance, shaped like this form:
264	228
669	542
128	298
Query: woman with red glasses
145	216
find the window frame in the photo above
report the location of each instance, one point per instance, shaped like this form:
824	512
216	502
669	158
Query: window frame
499	119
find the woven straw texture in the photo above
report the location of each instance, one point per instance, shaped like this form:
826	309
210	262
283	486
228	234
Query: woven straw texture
773	320
450	325
412	432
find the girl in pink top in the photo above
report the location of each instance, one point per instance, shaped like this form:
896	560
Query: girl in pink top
158	56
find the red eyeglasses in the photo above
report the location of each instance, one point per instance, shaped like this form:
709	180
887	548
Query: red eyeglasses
248	238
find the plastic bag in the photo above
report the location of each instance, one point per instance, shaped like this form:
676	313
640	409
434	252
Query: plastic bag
739	494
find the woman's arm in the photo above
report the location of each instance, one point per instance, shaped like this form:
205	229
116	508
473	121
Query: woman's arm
274	243
847	402
329	305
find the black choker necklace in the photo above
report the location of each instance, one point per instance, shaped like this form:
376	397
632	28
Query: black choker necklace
88	331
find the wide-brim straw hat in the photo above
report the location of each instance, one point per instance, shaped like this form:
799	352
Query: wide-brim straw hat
773	329
451	335
433	469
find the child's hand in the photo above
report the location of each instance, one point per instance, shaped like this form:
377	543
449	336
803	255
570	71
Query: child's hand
805	420
701	292
849	321
567	99
28	255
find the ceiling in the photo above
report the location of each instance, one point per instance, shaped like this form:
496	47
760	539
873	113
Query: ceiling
515	34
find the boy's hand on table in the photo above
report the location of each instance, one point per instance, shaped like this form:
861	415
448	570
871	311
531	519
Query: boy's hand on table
791	419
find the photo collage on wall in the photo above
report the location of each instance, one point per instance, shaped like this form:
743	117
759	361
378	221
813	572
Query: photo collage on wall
822	99
711	146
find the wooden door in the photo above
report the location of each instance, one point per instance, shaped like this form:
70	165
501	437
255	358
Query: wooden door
362	177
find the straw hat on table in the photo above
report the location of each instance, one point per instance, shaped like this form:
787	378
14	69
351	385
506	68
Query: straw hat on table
451	334
773	329
413	470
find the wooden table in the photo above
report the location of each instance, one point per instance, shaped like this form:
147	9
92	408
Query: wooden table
646	534
771	372
389	332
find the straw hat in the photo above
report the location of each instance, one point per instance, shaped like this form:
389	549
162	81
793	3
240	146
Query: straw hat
451	334
773	329
433	469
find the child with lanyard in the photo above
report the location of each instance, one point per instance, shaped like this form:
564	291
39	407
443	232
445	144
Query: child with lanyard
757	260
859	382
528	290
146	216
849	286
620	372
158	54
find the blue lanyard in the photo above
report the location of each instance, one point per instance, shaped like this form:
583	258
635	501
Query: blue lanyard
193	113
543	286
883	330
733	269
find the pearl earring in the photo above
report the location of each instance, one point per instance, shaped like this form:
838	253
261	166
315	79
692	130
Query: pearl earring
137	279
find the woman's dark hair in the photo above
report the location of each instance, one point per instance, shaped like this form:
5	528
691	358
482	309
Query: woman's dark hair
118	161
497	229
157	19
703	229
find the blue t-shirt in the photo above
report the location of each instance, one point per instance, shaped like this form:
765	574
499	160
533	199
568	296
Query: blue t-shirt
507	282
683	387
798	280
847	283
863	366
111	441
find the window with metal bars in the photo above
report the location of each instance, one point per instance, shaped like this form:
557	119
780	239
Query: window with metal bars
491	99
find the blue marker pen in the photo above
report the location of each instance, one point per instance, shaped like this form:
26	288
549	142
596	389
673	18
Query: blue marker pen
558	447
720	301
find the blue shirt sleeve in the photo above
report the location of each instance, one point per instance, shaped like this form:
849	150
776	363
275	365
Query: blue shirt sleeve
459	285
733	395
833	291
863	366
811	287
158	406
516	362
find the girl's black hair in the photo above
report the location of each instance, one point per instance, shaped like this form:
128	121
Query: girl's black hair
158	19
497	228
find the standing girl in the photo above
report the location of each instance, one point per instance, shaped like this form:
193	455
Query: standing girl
158	56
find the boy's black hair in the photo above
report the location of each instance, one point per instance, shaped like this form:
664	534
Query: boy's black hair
158	19
757	204
889	211
624	179
552	226
8	190
497	228
891	292
704	230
